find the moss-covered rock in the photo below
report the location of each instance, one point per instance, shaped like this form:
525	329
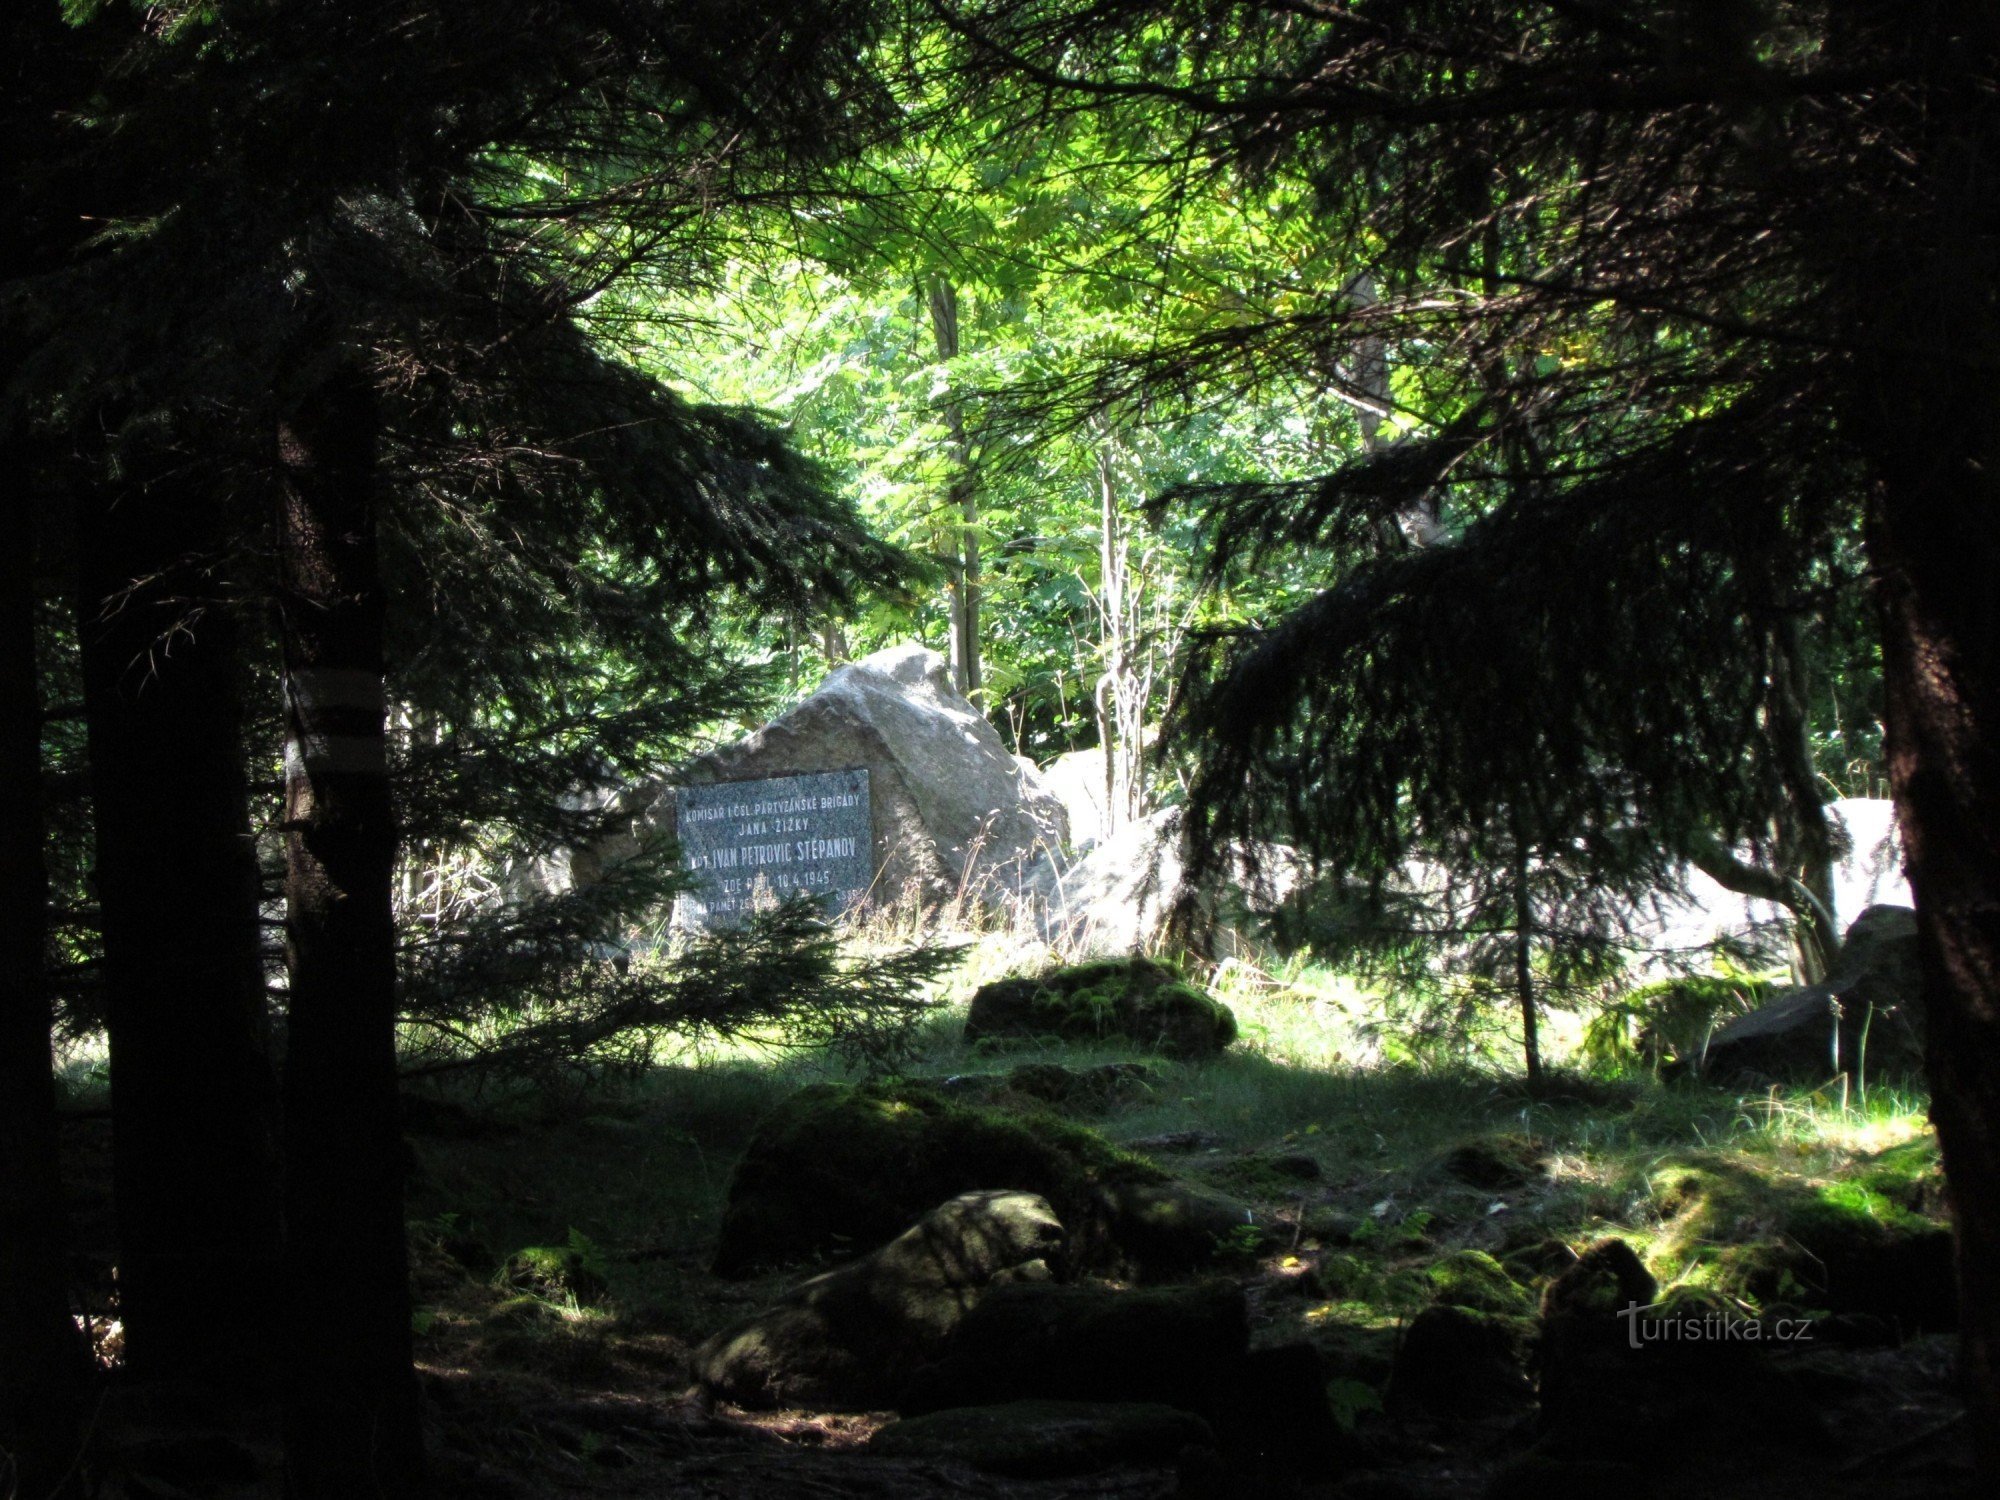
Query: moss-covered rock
839	1170
1455	1363
1051	1085
1605	1280
1474	1280
1859	1252
850	1339
1159	1229
1047	1439
1135	1001
1496	1162
1855	1246
1619	1371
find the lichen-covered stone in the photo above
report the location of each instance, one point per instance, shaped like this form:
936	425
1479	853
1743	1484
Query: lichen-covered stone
1133	1001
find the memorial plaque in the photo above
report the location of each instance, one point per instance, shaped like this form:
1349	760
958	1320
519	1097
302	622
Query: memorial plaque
745	841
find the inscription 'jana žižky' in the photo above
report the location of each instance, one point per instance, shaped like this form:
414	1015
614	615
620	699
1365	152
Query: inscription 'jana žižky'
744	841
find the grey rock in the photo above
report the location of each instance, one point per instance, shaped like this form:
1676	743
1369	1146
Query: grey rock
1865	1015
1119	897
849	1339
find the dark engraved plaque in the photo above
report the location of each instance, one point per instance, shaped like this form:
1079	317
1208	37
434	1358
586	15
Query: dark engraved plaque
747	841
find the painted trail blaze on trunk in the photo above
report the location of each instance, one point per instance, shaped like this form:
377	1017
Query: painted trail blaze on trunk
352	1426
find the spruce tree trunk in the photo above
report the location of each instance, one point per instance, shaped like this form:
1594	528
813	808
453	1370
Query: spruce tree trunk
1926	405
352	1423
193	1098
41	1356
1941	665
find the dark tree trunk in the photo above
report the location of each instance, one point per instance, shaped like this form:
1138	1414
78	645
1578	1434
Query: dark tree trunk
41	1356
192	1092
352	1425
1941	660
1524	966
1930	413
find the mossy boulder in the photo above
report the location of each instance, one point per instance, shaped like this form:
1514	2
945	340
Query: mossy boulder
1050	1085
1047	1439
1619	1370
1455	1363
1496	1163
1860	1252
840	1169
1474	1280
1858	1246
1134	1001
850	1339
1151	1230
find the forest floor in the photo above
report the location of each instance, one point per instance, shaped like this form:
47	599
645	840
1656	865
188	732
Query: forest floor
1374	1181
562	1241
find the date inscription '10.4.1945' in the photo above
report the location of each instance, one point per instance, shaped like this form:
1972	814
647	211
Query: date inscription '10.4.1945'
749	841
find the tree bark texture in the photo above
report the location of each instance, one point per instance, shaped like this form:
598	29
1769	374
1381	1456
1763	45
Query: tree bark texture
42	1367
1929	410
352	1412
193	1098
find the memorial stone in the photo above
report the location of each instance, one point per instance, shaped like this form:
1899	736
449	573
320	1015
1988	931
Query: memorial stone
745	841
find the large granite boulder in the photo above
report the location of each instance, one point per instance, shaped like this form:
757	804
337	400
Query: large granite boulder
952	811
1120	896
1077	779
1864	1016
1868	872
850	1339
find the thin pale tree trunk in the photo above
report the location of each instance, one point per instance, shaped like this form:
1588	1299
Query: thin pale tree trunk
962	499
352	1424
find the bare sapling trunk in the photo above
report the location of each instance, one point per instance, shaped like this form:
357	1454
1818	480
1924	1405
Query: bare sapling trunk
962	501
